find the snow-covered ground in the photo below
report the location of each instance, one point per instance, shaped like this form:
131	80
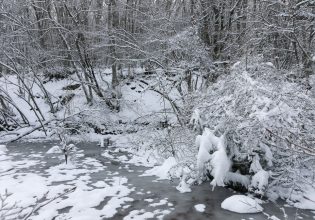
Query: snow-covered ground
100	183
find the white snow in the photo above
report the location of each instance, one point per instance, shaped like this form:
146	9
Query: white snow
255	165
241	204
268	154
183	187
221	164
161	171
143	158
102	142
54	150
161	202
100	184
3	149
237	178
5	166
306	199
260	182
142	214
27	188
200	207
206	143
107	155
196	120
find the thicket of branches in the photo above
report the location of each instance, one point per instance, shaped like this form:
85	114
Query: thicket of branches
189	48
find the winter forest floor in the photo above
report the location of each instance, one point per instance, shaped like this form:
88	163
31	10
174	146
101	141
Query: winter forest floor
155	168
109	185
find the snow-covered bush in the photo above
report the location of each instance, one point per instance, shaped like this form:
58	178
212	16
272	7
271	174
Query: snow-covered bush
269	121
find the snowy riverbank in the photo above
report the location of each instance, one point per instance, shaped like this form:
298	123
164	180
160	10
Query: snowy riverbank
106	184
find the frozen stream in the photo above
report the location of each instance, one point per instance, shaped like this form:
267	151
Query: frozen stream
107	188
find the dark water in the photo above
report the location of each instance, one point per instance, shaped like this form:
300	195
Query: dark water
183	204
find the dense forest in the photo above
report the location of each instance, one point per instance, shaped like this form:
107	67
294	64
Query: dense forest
218	91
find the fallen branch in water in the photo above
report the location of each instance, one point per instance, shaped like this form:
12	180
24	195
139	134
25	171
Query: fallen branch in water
35	128
18	137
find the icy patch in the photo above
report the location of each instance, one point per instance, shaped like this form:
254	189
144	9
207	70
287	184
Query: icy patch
200	207
162	171
241	204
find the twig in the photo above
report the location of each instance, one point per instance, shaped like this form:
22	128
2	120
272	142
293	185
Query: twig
38	206
304	149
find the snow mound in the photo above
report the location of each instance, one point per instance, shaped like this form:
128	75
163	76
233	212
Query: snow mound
259	182
162	171
5	166
241	204
107	155
183	187
54	150
200	207
3	149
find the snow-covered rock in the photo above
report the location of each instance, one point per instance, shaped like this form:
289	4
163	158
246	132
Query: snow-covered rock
162	171
241	204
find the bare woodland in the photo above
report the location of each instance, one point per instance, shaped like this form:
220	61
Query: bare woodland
242	68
